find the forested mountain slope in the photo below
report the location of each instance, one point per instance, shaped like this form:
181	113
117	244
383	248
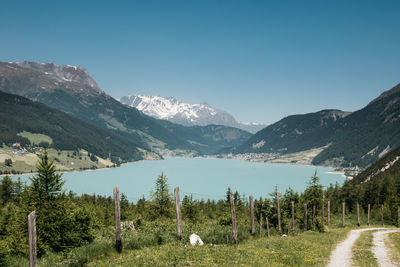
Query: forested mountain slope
350	139
378	185
19	114
366	135
294	133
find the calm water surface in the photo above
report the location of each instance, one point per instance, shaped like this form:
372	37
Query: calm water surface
204	178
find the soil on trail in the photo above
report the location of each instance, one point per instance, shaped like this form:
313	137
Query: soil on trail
341	256
381	251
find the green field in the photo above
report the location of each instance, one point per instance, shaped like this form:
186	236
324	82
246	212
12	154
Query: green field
302	249
66	160
305	249
36	138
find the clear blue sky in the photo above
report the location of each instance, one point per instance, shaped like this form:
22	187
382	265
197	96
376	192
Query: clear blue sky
259	60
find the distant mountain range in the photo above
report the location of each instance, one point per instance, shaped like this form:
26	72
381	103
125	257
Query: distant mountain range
350	139
173	110
70	89
345	138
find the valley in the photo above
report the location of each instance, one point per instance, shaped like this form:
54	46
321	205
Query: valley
343	140
199	133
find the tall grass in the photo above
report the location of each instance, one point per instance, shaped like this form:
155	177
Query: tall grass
305	249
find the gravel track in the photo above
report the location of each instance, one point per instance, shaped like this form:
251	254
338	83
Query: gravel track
341	256
381	251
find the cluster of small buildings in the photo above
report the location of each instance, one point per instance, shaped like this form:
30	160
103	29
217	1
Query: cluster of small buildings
22	150
252	156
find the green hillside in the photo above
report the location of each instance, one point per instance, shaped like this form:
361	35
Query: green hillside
23	120
350	139
208	139
294	133
378	185
367	134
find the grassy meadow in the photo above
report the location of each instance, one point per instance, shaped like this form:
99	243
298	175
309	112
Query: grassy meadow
156	244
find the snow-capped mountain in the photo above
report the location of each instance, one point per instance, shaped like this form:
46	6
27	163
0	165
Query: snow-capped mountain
169	108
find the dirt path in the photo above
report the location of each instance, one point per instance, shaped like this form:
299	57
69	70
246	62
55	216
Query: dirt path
341	256
381	251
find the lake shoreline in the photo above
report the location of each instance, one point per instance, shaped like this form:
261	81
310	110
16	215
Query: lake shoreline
85	170
202	177
342	173
180	157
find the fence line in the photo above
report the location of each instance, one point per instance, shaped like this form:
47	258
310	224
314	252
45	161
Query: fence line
290	225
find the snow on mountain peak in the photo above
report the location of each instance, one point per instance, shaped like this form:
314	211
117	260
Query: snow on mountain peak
170	108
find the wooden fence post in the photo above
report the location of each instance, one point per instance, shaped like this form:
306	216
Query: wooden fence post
343	207
398	216
358	214
305	217
279	212
314	217
369	212
293	216
382	214
118	241
32	239
233	214
261	221
252	224
329	213
178	212
266	220
323	212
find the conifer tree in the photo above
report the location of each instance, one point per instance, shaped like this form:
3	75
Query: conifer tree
162	199
47	184
61	224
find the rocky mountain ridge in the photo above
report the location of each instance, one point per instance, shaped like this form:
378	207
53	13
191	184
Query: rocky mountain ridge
171	109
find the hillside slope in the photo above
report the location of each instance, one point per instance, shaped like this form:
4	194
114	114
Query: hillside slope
19	114
366	135
378	185
294	133
349	139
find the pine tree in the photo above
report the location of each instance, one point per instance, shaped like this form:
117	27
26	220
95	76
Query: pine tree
61	224
162	199
47	184
189	208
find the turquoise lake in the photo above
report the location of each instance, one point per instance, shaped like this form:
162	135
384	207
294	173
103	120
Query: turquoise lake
202	177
